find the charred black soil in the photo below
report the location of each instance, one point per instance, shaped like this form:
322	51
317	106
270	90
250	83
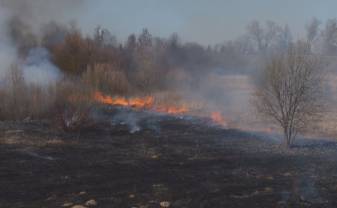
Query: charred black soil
184	163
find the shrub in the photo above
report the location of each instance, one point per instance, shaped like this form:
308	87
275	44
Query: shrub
73	106
104	77
20	101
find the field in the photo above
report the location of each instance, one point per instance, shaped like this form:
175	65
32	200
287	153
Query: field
180	163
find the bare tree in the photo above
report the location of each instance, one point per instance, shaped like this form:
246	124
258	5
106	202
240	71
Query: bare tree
312	29
257	34
330	37
270	36
285	38
289	92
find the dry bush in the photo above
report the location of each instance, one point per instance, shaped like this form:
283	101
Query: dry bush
70	100
147	79
104	77
169	98
42	101
72	55
13	102
20	101
290	92
73	106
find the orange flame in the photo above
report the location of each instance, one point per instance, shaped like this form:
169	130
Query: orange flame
172	109
133	102
149	103
139	103
218	118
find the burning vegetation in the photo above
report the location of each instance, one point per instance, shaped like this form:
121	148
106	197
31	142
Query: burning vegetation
77	100
75	71
111	73
162	75
144	72
149	103
138	103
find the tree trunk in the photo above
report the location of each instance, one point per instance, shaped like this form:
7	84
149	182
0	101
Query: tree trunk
287	141
288	137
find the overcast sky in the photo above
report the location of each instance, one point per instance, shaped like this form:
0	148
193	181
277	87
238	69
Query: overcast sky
203	21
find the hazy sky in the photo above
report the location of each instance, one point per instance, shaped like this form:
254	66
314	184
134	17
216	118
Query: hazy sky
204	21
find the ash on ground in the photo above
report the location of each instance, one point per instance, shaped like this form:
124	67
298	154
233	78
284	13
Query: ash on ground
161	160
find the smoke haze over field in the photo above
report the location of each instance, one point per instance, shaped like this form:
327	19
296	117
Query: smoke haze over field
193	97
123	48
24	19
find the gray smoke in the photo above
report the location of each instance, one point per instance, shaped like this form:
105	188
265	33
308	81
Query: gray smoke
37	12
130	119
30	16
38	69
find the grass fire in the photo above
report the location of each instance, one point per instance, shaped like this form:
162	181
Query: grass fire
153	104
148	103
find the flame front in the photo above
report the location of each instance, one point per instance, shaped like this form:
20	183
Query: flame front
218	118
172	109
140	103
146	102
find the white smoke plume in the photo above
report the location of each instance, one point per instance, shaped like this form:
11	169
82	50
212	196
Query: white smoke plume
33	14
38	69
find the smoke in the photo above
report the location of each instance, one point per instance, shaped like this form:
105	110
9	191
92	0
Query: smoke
34	13
136	121
21	23
130	119
38	69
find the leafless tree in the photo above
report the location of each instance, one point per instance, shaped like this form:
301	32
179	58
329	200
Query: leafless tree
312	29
285	37
330	37
290	90
257	34
269	36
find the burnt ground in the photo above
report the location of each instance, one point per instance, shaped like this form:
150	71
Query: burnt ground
185	163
